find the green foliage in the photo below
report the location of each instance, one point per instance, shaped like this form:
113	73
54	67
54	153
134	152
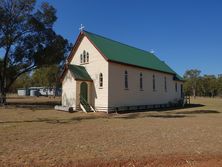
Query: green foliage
192	77
192	74
46	76
219	85
207	85
28	39
23	81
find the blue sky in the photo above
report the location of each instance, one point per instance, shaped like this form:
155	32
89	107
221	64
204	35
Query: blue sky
186	34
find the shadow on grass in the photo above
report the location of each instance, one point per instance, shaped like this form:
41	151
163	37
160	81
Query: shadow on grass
32	103
54	121
79	119
177	108
135	116
181	114
162	109
32	107
199	112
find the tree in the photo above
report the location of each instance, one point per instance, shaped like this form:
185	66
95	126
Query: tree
46	76
219	86
187	88
28	40
209	85
192	76
23	81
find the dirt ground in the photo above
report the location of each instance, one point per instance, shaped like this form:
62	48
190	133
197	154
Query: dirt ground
179	137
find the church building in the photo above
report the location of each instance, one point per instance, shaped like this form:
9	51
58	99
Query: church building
102	74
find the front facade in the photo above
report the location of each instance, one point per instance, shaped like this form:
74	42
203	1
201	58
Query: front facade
106	75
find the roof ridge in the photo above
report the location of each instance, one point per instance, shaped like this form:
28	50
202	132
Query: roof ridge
123	53
120	42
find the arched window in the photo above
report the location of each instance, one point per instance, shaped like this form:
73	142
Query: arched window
154	83
87	57
100	80
141	81
181	90
81	59
176	86
126	79
84	56
165	84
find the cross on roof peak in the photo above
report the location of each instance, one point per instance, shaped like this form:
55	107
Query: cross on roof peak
81	28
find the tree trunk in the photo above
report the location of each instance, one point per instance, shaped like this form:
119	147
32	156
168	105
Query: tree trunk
3	93
3	98
3	77
194	93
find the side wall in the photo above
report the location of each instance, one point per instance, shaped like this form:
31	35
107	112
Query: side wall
119	96
97	64
69	91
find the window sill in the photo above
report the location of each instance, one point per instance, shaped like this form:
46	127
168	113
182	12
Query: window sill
84	63
100	87
126	89
141	90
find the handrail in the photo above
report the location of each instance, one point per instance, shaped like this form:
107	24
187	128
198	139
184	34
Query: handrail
83	100
84	103
82	107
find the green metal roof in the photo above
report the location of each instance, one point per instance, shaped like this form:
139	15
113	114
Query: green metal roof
79	72
178	77
122	53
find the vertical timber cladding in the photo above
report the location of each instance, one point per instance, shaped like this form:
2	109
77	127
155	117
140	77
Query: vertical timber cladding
98	97
100	50
69	90
134	96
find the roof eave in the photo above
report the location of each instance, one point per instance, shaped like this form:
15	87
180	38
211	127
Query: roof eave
113	61
104	56
86	80
75	47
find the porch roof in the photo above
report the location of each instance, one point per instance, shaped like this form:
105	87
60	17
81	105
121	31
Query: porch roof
79	72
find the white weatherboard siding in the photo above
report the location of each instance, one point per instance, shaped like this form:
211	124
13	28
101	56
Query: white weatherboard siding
69	91
118	96
113	93
97	64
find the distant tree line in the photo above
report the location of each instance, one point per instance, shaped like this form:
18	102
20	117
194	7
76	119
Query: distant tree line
202	85
42	77
195	83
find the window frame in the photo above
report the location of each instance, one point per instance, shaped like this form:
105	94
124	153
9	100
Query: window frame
84	57
141	81
101	80
165	84
176	87
87	57
81	59
126	84
154	83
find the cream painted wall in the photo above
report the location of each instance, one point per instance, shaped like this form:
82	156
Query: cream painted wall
97	64
118	96
69	91
113	93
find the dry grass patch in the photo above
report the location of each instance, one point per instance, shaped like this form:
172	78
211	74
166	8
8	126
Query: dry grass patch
53	138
